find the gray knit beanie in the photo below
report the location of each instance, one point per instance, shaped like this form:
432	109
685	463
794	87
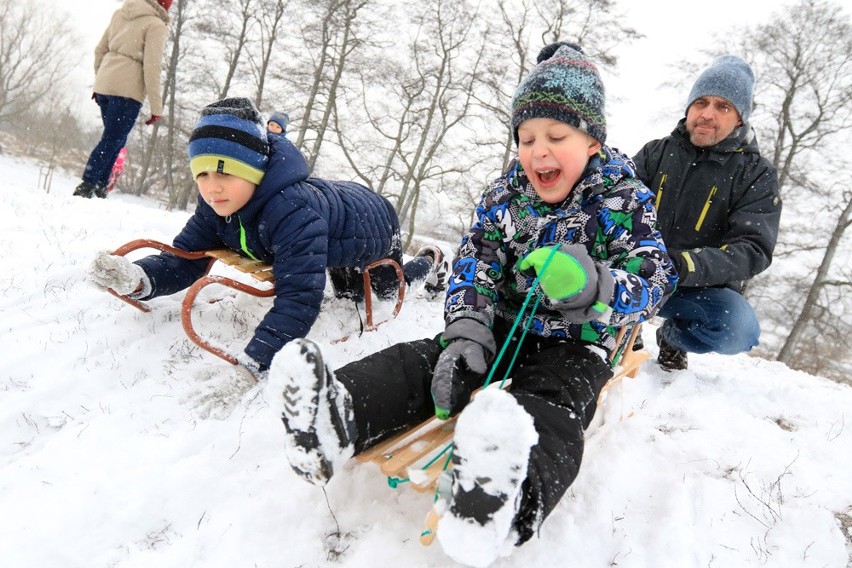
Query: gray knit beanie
564	86
728	77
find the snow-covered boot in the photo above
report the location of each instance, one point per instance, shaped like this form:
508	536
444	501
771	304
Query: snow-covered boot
316	411
436	280
493	438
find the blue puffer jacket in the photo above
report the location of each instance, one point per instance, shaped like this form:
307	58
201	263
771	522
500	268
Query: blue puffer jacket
300	226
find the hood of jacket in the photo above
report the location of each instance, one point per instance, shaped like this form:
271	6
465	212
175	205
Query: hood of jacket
133	9
286	167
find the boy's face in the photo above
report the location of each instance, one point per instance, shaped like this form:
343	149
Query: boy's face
553	155
274	127
225	193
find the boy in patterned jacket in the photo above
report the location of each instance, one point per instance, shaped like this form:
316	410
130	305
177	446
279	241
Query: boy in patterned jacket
571	211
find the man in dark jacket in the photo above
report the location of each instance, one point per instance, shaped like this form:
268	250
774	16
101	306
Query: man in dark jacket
255	197
718	208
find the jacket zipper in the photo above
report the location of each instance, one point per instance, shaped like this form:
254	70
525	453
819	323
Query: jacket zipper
707	205
660	191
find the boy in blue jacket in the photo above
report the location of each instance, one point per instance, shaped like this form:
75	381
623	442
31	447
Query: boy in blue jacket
255	197
572	211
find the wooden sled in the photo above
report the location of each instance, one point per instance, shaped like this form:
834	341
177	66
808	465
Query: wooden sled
418	456
256	269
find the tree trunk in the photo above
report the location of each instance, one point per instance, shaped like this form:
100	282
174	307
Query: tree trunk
789	347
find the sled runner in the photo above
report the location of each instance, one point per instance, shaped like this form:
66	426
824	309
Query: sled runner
418	456
257	270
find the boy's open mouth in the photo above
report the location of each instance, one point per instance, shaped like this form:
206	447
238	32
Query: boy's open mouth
548	176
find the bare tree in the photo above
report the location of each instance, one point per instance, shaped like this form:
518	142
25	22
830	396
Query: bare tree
812	304
338	39
176	32
412	105
37	53
270	19
228	25
805	72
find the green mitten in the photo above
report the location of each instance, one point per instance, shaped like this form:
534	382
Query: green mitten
574	284
567	273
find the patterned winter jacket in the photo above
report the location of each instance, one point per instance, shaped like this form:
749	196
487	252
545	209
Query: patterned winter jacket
300	226
609	211
718	207
130	54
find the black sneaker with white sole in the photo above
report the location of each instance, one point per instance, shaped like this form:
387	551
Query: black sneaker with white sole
436	280
317	412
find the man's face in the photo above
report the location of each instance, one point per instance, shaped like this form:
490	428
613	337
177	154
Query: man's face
710	120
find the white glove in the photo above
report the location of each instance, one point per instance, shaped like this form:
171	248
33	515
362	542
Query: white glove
116	272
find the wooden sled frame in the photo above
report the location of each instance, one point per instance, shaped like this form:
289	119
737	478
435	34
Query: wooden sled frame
418	456
258	270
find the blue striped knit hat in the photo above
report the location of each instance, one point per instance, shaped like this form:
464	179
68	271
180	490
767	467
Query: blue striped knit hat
230	138
564	86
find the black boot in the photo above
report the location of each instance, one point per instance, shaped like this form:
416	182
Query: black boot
85	189
493	439
670	359
317	412
100	191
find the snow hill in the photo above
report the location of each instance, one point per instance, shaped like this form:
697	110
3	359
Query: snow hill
122	444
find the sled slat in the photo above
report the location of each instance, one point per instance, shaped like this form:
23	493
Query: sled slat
403	458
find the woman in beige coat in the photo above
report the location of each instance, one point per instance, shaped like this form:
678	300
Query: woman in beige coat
128	60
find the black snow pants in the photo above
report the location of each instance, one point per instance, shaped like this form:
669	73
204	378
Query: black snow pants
557	382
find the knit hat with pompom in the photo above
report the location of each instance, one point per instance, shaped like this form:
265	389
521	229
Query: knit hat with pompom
564	86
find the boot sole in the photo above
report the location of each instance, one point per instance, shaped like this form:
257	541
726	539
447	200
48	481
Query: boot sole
302	416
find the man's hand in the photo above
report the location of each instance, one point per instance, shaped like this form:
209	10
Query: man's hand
154	118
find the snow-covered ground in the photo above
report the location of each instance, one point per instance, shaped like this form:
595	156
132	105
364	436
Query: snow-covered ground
123	444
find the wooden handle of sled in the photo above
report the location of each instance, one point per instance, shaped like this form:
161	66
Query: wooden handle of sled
430	525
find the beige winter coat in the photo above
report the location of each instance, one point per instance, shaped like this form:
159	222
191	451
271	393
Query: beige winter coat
130	54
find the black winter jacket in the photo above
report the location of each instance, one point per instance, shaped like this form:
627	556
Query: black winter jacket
718	208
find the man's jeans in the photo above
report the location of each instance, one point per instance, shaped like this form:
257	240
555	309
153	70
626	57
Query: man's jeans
700	320
118	115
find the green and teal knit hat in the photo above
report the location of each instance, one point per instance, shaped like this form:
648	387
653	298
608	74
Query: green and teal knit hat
564	86
230	138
